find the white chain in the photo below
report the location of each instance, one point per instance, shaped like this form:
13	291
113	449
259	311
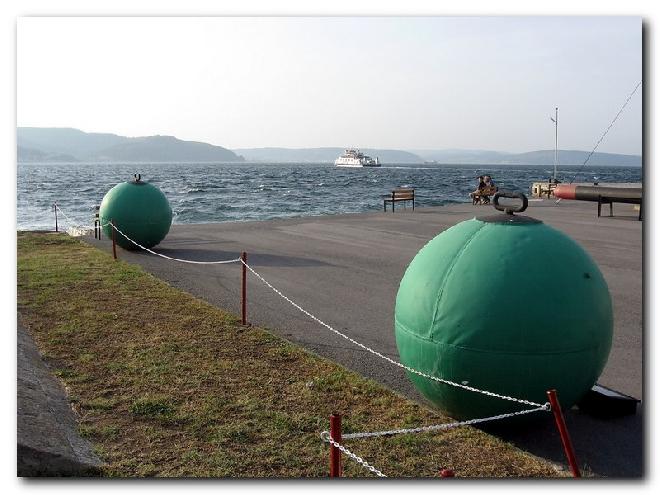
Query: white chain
445	426
310	315
327	438
376	353
220	262
73	224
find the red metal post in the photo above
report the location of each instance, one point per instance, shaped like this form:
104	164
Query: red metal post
563	433
98	221
446	473
335	453
244	289
114	242
55	210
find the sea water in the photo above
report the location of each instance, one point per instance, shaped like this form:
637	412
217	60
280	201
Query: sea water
207	192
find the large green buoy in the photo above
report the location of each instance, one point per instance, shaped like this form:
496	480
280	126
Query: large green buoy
140	210
505	304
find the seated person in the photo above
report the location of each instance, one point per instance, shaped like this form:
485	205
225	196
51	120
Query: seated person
476	195
489	189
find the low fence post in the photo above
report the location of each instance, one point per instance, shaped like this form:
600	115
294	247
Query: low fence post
335	453
563	433
55	210
244	288
97	224
114	241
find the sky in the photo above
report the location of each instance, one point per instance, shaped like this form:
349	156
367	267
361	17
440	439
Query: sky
370	82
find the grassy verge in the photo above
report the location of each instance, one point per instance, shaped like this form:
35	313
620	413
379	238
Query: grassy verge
167	385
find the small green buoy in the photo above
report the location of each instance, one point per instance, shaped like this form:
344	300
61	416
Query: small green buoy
140	210
505	304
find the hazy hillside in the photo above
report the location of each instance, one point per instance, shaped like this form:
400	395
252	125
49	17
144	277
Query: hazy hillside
32	155
460	156
65	144
321	155
574	157
542	157
84	146
165	149
65	140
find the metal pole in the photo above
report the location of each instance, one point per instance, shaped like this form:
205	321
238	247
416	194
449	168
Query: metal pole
335	453
114	242
244	288
55	210
98	217
563	433
554	175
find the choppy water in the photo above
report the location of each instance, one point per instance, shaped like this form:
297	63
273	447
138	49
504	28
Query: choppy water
202	193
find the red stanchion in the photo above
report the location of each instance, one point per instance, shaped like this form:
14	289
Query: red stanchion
97	225
335	453
244	289
114	241
563	433
447	473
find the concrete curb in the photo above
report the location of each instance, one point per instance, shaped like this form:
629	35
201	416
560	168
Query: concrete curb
48	443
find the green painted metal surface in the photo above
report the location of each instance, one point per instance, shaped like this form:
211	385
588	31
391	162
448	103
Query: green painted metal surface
140	210
515	309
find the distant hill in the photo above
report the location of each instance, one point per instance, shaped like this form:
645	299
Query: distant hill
32	155
322	155
542	157
165	149
45	142
574	157
448	156
65	140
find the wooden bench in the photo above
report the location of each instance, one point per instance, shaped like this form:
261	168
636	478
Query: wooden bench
399	194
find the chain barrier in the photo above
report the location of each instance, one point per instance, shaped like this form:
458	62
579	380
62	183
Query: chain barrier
378	354
445	426
322	323
327	438
326	435
220	262
74	225
82	226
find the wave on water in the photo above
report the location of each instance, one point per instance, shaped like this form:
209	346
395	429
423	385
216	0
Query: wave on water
203	193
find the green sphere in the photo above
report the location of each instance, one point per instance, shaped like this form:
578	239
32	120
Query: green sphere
516	308
140	210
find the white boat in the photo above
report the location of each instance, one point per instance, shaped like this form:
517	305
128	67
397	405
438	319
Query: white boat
355	158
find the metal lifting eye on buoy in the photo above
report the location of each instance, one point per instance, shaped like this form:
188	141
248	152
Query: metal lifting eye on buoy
510	210
137	177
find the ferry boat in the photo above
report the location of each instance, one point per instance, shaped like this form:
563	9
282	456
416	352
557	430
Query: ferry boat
355	158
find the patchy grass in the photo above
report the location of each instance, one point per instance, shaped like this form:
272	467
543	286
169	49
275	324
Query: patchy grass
167	385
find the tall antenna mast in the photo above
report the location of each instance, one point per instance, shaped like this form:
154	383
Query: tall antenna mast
555	120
